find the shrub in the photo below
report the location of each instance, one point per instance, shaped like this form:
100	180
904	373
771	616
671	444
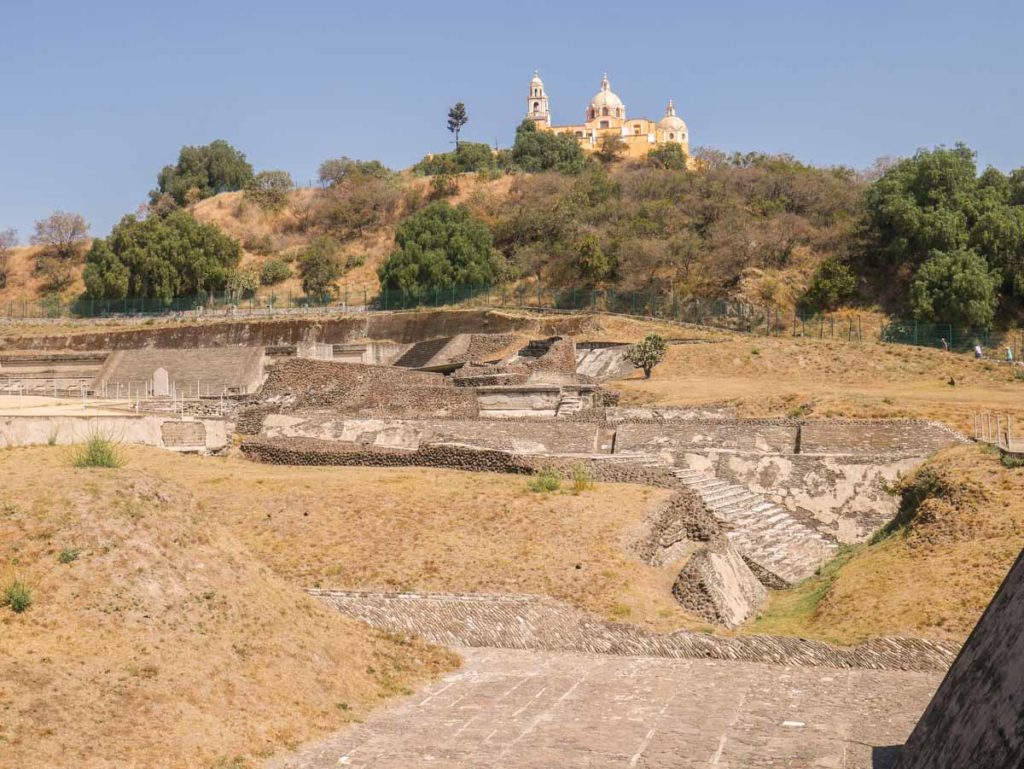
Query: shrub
535	150
242	283
68	554
439	247
443	186
545	479
202	172
647	354
270	189
274	271
469	157
832	284
18	596
259	244
97	451
337	170
582	477
319	266
667	156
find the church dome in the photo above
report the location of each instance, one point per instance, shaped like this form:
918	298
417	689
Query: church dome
606	98
671	121
536	79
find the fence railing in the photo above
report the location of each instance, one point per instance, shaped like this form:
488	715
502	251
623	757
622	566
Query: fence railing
717	313
994	429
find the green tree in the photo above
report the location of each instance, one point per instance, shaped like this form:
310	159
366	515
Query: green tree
647	354
242	283
270	189
337	170
955	287
439	247
535	150
320	267
591	260
160	257
610	148
457	118
202	172
469	157
832	284
667	156
274	271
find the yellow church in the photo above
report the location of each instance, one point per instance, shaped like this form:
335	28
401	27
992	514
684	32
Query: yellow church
606	116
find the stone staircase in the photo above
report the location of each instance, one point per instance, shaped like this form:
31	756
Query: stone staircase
568	403
783	547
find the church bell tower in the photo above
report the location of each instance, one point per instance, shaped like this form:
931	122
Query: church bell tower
537	108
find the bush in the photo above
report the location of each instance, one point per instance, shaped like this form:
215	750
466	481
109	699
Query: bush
955	287
337	170
536	150
833	283
202	172
270	189
545	479
582	477
439	247
274	271
97	451
68	555
667	156
18	596
443	186
160	258
242	284
319	267
647	354
346	210
469	157
259	244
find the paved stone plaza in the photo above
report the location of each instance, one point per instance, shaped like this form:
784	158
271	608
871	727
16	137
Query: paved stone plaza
527	709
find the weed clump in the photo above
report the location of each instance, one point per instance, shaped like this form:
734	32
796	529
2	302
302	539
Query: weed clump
545	479
17	595
68	554
582	477
97	451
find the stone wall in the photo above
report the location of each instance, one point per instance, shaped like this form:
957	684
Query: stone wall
518	436
976	718
352	388
717	585
144	430
527	622
741	435
846	494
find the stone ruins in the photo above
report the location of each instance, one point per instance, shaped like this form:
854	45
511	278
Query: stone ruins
756	504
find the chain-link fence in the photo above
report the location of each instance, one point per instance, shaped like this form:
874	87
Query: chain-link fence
717	313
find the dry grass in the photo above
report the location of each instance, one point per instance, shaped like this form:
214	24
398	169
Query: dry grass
165	642
932	578
787	376
24	285
436	530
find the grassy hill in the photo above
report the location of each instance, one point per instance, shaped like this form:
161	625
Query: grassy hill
962	528
157	638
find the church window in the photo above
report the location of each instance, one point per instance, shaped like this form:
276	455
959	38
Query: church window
636	129
536	106
579	134
618	112
604	110
604	124
671	136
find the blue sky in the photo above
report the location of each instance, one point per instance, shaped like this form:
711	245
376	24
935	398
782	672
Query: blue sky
97	97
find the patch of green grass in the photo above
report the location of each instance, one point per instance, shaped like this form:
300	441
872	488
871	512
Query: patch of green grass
17	595
791	611
97	451
68	554
545	479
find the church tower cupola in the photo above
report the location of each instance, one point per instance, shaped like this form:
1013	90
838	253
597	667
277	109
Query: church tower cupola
537	108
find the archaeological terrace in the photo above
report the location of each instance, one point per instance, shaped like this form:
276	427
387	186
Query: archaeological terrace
755	505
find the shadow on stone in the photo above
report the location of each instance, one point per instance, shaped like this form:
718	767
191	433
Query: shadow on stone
885	757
